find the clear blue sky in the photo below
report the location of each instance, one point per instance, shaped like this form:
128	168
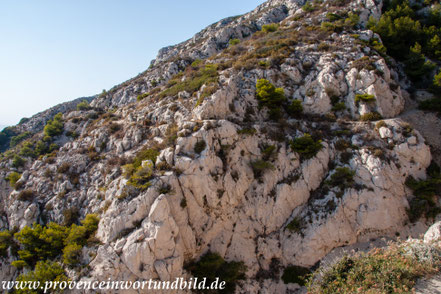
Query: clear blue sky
53	51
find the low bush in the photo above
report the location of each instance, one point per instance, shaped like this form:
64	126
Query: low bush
339	106
19	138
212	266
269	28
343	177
295	109
17	161
26	195
247	131
394	269
72	254
433	104
12	178
39	243
295	274
371	116
296	225
204	75
271	97
233	42
306	146
54	127
200	146
260	166
6	240
45	271
365	98
83	105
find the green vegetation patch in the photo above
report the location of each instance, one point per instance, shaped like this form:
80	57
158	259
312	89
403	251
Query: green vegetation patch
271	97
195	79
212	266
139	175
394	269
295	274
306	146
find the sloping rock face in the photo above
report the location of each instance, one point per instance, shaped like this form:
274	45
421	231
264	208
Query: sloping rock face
227	178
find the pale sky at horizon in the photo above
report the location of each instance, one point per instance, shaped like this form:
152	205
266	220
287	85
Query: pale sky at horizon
55	51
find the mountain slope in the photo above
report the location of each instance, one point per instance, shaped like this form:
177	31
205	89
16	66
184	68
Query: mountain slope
269	139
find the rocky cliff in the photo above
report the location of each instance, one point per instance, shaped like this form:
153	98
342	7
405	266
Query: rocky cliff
267	138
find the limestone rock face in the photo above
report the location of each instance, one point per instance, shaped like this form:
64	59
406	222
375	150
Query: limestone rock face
222	174
433	234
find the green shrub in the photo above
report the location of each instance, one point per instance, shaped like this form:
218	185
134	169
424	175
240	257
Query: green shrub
342	145
141	177
17	161
204	75
54	127
296	225
142	96
295	109
269	28
40	243
402	30
306	146
295	274
199	146
416	65
198	62
212	266
45	271
269	96
17	139
268	151
72	254
247	131
83	105
13	177
371	116
90	222
343	177
380	124
433	104
260	166
5	242
437	80
27	150
41	148
26	195
233	42
366	98
308	7
340	106
388	270
425	189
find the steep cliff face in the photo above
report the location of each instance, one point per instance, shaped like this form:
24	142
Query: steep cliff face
188	158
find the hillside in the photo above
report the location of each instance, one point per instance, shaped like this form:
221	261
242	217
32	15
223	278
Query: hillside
251	152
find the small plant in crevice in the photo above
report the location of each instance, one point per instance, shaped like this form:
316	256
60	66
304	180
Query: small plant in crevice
296	226
365	98
343	178
260	166
200	146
